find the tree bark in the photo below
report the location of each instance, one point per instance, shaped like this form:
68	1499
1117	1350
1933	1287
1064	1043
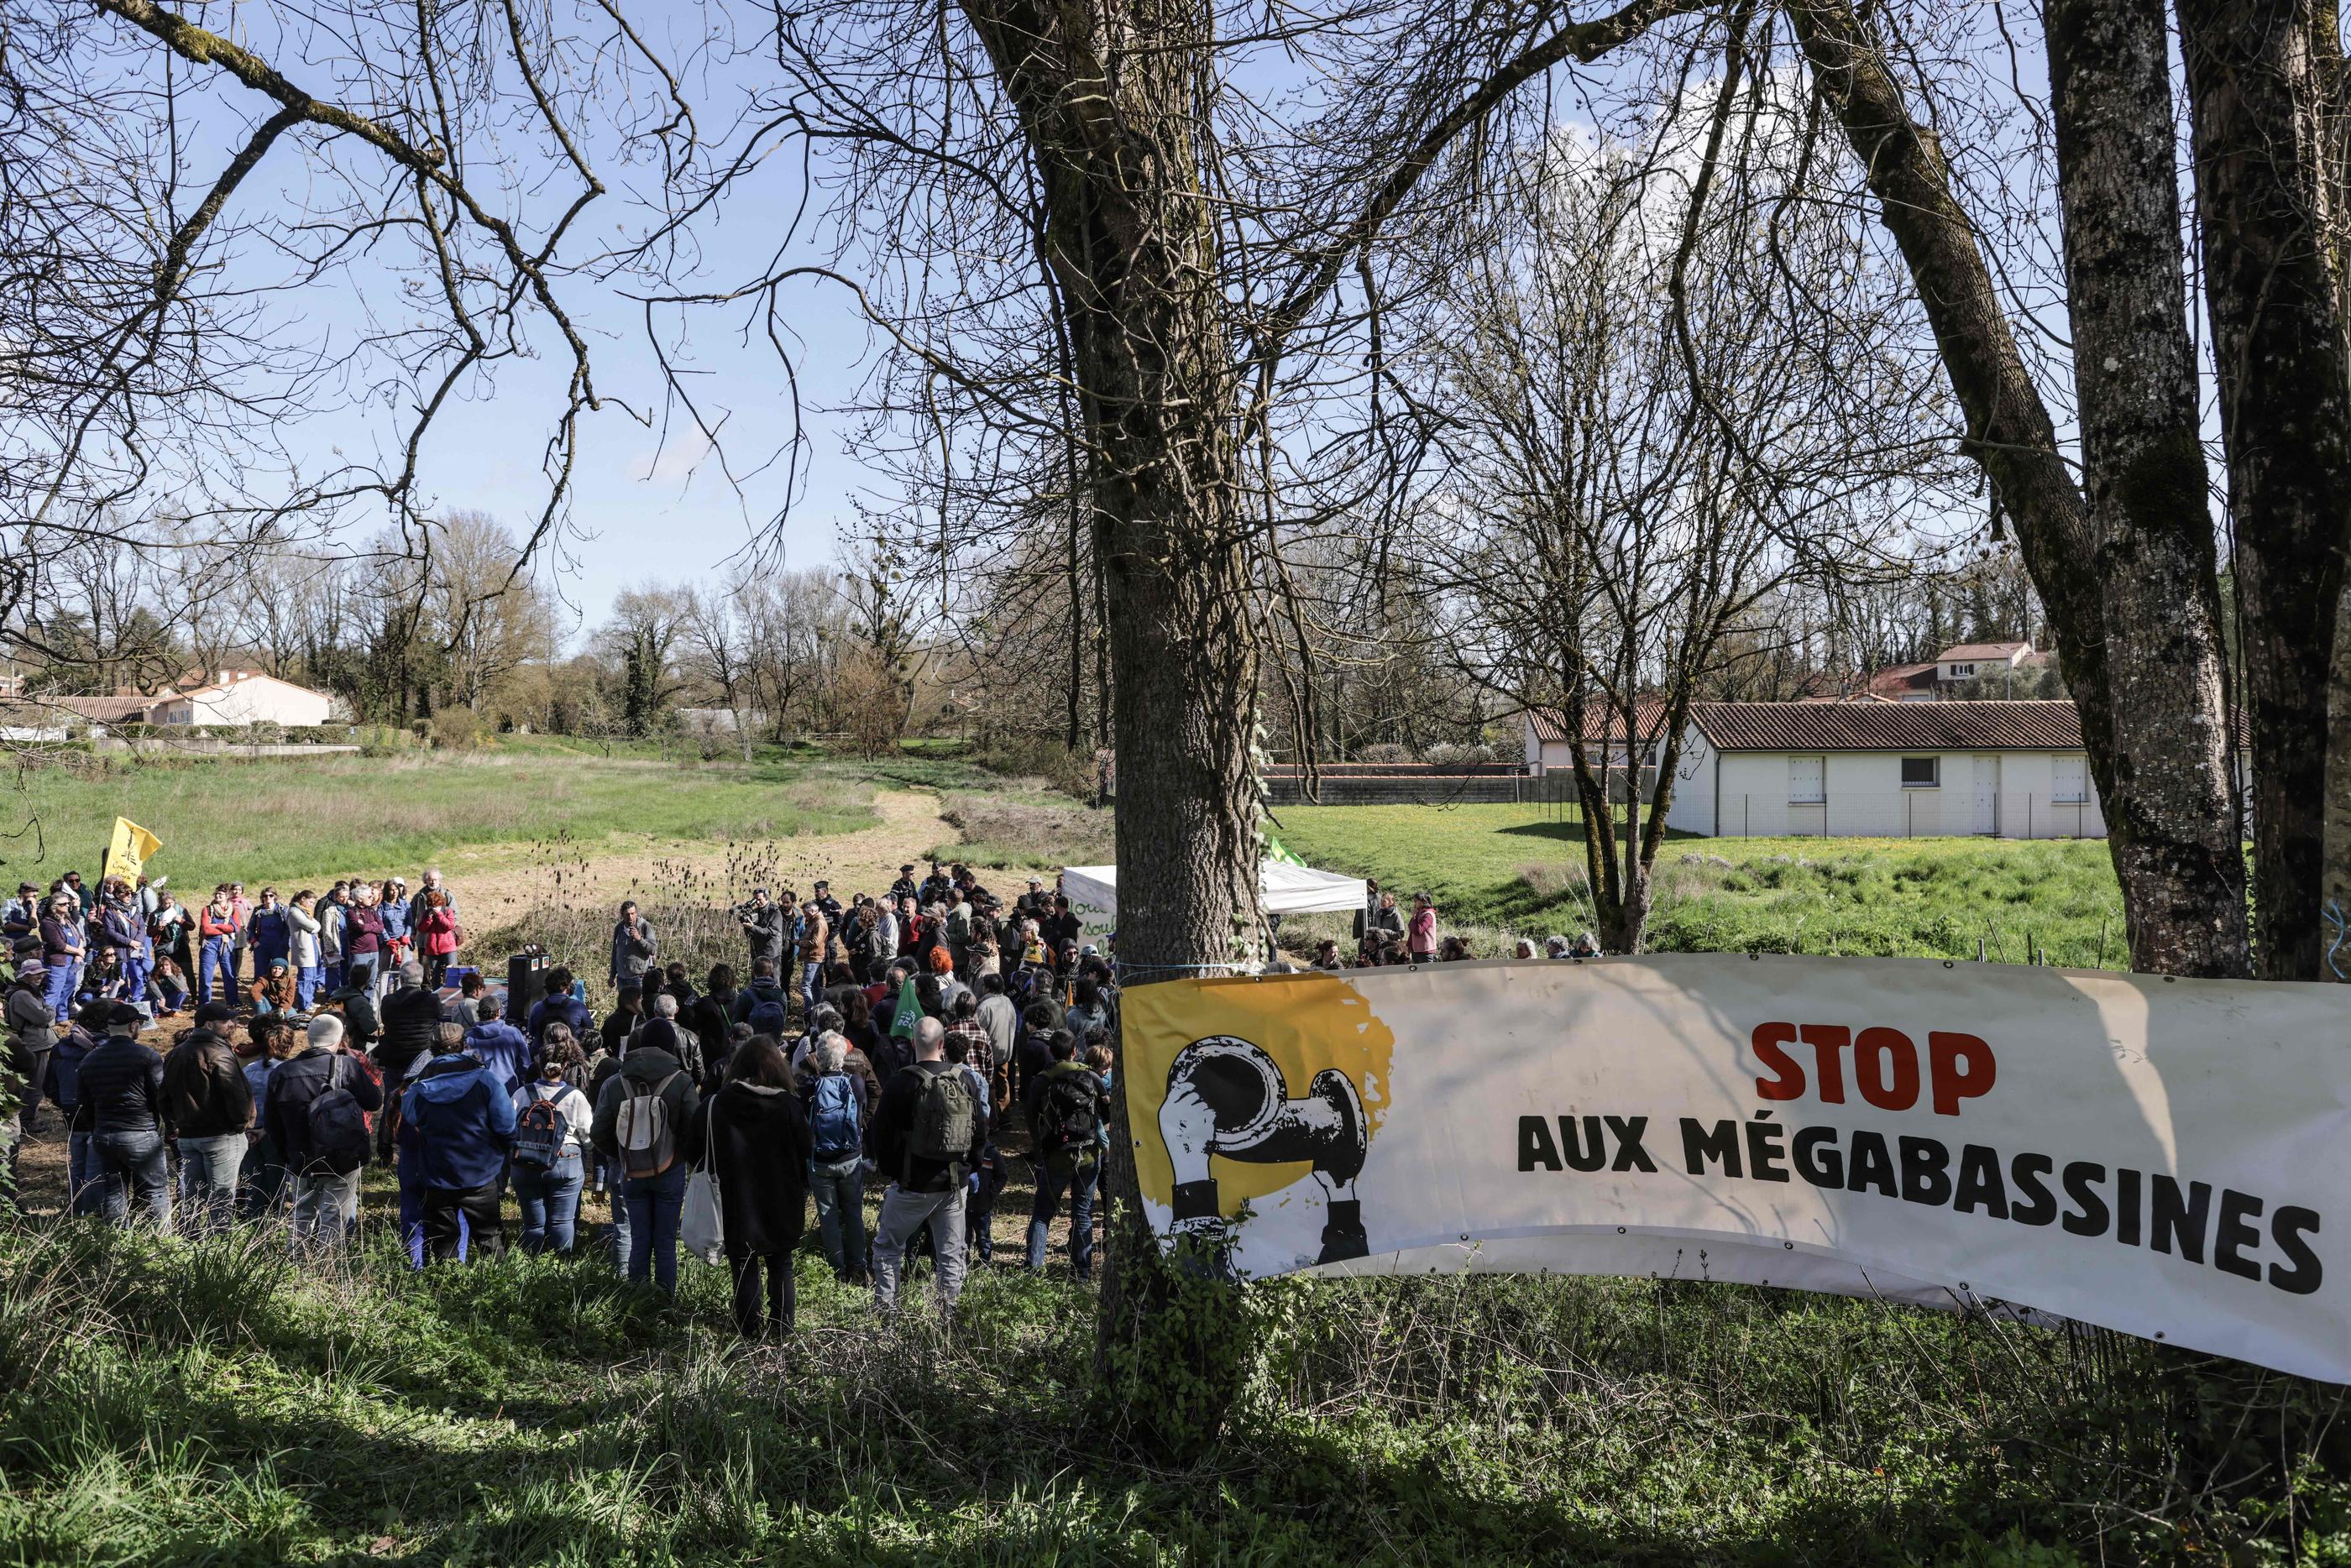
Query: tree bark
2183	911
2143	469
1109	102
2270	195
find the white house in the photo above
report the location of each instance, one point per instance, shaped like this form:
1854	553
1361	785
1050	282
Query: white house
242	697
1878	769
1604	734
1973	661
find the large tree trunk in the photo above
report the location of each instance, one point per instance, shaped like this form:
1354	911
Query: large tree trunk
2143	468
1109	100
2184	912
2269	195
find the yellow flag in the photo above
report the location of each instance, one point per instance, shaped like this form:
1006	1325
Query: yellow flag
128	851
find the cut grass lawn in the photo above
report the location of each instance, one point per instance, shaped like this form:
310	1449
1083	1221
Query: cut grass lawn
291	819
1506	871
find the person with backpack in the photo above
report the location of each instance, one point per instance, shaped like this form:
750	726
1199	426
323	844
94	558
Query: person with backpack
765	996
1069	1107
412	1022
463	1115
927	1135
550	1146
316	1111
210	1104
754	1138
838	1109
642	1112
122	1108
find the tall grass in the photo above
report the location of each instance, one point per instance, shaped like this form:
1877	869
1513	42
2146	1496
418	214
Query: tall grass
172	1402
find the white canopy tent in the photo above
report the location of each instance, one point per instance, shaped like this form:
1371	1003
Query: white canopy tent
1286	890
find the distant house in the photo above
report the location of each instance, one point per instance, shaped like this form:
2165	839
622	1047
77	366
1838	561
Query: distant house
243	697
1603	727
237	697
1906	683
1974	660
1886	769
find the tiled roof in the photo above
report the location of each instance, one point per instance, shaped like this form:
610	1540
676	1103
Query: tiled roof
103	709
1968	650
1889	726
1601	721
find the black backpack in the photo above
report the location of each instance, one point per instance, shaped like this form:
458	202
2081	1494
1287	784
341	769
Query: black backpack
1067	1112
337	1126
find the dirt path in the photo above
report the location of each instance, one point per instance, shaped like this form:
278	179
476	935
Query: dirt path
497	883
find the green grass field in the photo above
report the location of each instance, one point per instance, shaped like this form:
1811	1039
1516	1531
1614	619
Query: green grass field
1505	870
284	819
172	1402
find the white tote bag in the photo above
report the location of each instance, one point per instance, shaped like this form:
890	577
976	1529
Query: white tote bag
702	1228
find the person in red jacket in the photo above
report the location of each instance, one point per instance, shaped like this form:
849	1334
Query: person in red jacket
216	932
436	934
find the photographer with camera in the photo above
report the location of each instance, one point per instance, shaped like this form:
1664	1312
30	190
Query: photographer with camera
763	927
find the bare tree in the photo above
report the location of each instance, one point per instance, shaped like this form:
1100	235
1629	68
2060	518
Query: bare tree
1626	487
717	646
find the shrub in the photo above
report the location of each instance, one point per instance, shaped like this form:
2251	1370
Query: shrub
1384	752
1068	768
456	729
1451	754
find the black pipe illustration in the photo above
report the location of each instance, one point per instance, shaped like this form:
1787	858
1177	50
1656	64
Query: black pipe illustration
1227	1096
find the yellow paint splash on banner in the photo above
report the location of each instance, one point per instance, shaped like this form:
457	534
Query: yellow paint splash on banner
1306	1022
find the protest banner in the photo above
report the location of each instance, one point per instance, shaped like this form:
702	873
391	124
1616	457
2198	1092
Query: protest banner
2158	1157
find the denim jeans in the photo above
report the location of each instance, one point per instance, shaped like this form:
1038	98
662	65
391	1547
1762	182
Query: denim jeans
208	1173
1079	1174
902	1214
134	981
550	1204
86	1184
307	983
655	1204
608	1171
60	989
811	989
218	957
840	1190
134	1164
325	1209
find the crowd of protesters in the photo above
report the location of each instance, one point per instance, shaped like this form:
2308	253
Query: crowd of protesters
917	1040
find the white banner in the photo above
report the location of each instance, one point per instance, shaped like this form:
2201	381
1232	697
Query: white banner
2158	1157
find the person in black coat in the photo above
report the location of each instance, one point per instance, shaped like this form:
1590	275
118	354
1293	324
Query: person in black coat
755	1134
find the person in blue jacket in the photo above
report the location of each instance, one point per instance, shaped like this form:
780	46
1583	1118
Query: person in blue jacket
560	1005
497	1044
464	1117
